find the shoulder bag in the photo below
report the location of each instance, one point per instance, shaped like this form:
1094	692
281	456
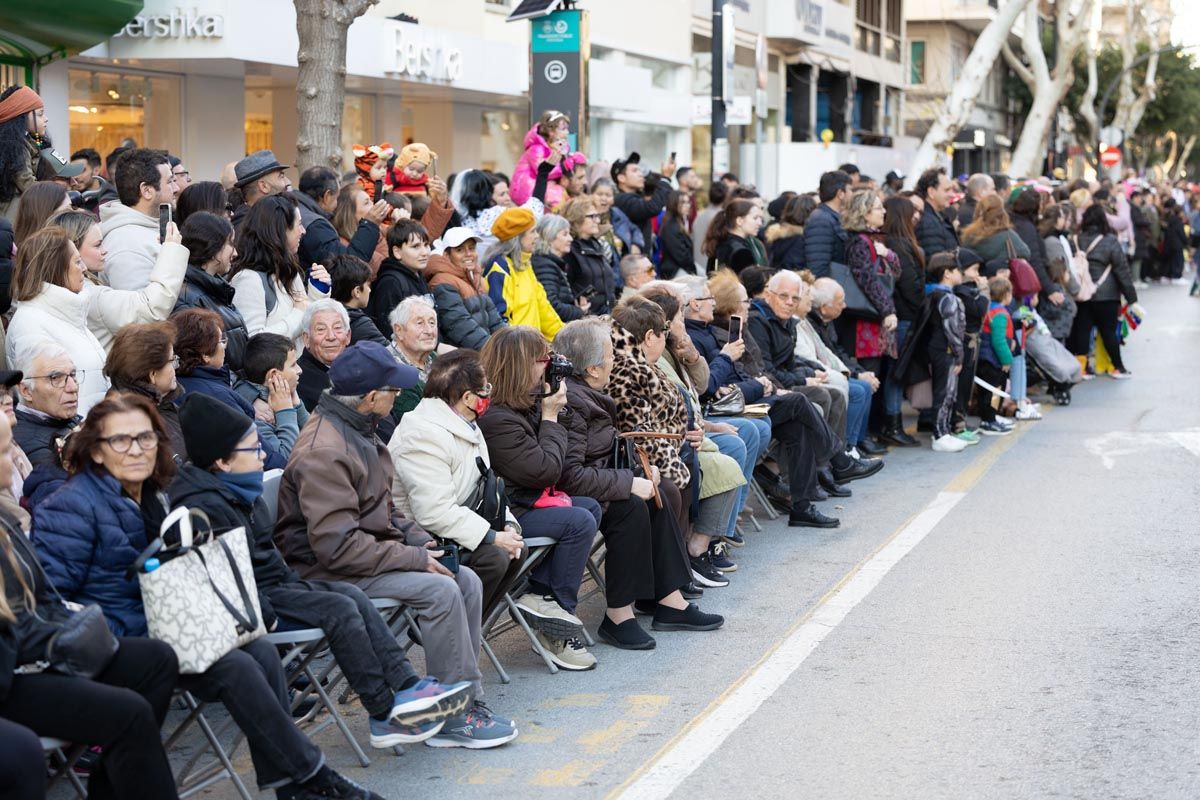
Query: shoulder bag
627	455
731	404
858	305
1088	287
488	499
1024	279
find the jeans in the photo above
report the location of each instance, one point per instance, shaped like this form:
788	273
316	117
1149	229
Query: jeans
858	411
574	529
755	436
893	384
1018	378
374	664
250	683
120	711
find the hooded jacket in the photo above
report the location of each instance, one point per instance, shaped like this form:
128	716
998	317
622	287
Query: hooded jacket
131	243
785	246
394	283
336	518
551	272
591	274
520	298
433	457
524	174
202	290
722	370
467	317
109	309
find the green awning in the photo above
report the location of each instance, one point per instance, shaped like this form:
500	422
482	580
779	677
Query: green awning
44	29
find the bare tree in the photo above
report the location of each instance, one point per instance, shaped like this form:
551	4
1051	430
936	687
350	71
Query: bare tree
1131	103
321	83
966	90
1048	86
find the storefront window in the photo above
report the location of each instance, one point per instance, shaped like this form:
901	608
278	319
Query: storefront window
259	128
107	108
501	137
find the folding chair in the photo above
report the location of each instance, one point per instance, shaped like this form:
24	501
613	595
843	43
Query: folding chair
63	756
594	563
189	784
270	495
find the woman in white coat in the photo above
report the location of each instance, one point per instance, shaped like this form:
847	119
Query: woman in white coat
109	309
47	287
268	279
434	452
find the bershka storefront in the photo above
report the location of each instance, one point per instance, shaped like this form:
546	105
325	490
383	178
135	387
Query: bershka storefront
215	80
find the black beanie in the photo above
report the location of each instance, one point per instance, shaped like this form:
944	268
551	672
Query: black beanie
211	428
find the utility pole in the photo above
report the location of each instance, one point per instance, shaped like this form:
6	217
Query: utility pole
720	135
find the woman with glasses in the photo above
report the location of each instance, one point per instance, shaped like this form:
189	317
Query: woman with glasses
414	342
589	268
142	361
512	284
48	284
89	532
209	242
552	247
434	455
200	346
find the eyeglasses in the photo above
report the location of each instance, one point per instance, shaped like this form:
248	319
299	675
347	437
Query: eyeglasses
146	441
709	299
787	298
257	449
182	174
59	379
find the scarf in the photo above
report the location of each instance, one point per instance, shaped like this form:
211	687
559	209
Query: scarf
248	486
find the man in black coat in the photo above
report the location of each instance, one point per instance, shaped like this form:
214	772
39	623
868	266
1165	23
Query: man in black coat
631	192
824	236
49	401
979	186
934	233
317	199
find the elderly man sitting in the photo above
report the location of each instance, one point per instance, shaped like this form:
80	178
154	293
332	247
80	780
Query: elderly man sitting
46	413
414	342
773	325
337	523
325	331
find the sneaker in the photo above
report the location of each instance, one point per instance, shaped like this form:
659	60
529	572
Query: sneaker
734	539
716	554
994	429
1008	422
387	733
688	619
627	635
1120	374
1028	413
705	574
430	701
546	615
568	654
968	436
948	444
478	729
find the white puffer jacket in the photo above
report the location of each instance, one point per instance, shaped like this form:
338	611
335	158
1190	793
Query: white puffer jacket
433	459
131	243
285	318
109	309
60	315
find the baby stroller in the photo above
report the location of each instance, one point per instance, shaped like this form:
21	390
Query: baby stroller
1047	356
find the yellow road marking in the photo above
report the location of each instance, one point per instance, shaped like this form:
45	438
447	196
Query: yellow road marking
611	739
647	705
486	776
576	701
573	773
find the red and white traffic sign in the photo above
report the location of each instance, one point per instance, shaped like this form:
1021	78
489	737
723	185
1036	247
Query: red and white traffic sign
1111	157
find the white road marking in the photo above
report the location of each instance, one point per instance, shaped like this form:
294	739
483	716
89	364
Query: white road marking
1189	440
1124	443
688	752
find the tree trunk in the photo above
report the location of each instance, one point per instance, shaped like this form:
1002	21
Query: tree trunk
1030	152
966	90
321	83
1181	164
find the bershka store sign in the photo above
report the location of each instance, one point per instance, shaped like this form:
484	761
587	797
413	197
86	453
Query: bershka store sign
179	24
422	56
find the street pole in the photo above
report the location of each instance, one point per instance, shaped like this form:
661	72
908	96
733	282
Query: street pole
720	136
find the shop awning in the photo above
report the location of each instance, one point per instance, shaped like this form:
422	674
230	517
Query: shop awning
45	29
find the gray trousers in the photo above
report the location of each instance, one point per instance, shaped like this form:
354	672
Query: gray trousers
449	611
833	405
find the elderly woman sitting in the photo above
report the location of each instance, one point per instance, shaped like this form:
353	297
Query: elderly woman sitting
414	342
553	245
647	560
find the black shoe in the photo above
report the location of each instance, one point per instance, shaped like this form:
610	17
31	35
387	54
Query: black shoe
924	427
691	592
734	539
705	574
895	434
689	619
870	447
862	468
775	489
830	486
810	517
819	495
716	555
324	785
627	636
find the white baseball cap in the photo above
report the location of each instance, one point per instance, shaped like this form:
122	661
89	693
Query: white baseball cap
454	237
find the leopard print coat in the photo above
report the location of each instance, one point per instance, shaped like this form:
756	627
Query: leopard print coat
648	401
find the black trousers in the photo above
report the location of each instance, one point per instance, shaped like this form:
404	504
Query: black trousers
495	569
996	377
22	763
250	683
833	404
1102	315
120	711
808	442
374	664
945	389
646	558
966	380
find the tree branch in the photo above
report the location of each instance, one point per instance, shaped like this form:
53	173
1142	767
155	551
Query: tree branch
1016	65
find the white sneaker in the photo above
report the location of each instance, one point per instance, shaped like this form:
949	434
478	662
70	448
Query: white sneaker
949	444
1028	413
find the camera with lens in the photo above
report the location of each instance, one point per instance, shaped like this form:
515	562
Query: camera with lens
558	368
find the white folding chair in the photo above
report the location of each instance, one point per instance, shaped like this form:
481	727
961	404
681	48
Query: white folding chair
62	756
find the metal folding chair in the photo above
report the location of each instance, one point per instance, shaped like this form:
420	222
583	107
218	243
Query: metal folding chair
539	548
62	756
189	784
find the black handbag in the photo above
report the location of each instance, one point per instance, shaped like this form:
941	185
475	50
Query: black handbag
83	646
858	305
488	499
732	404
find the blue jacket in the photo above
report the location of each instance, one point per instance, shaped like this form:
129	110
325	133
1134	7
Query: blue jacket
217	383
722	371
934	233
824	240
86	534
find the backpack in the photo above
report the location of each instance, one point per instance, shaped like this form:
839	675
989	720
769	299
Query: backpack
1088	287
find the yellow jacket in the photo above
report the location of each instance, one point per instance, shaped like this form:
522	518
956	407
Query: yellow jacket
520	297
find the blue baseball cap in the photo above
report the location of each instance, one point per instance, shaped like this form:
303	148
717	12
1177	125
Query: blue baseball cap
367	367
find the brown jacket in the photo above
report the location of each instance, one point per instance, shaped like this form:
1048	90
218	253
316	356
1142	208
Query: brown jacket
336	518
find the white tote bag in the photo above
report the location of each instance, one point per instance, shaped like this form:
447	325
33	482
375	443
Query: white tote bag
202	600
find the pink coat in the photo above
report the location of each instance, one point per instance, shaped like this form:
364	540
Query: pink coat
524	174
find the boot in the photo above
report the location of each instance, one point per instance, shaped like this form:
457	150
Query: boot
894	433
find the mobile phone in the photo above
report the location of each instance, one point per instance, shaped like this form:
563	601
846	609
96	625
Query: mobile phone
449	557
672	156
735	327
378	191
433	166
164	217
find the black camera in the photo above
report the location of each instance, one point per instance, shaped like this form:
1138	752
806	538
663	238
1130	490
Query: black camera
558	368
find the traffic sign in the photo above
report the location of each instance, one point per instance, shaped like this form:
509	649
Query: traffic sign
1111	157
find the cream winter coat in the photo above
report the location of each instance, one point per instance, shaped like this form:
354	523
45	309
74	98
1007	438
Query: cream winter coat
433	459
60	315
131	243
251	302
809	346
109	309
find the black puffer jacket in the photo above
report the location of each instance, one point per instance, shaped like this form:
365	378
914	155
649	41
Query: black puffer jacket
551	272
677	252
202	290
37	436
1118	283
320	241
393	284
935	234
785	246
591	274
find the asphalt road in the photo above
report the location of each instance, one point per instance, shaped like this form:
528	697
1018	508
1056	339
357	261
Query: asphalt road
1016	621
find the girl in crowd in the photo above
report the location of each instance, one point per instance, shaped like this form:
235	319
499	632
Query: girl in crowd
209	241
676	237
732	237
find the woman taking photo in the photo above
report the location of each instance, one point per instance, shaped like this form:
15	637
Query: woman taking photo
553	244
434	453
528	448
908	297
589	268
91	531
268	281
142	361
732	237
353	207
209	242
48	285
414	342
109	310
647	560
512	283
467	317
1110	272
675	236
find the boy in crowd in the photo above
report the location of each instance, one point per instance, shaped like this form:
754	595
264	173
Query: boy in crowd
996	352
947	328
350	285
269	379
973	294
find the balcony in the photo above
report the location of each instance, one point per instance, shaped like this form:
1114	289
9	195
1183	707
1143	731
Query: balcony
973	15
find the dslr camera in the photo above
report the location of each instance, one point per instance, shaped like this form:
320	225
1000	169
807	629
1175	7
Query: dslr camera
557	369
